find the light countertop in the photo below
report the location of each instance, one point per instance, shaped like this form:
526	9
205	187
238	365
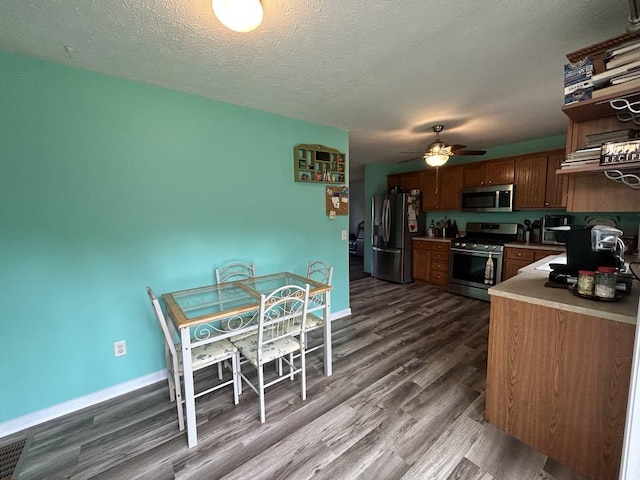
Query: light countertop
528	286
536	246
432	239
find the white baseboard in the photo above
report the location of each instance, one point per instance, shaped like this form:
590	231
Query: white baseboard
342	313
64	408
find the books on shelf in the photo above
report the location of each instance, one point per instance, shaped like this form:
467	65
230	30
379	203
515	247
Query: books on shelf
617	88
627	77
622	49
597	139
582	158
619	60
615	153
584	154
583	163
603	78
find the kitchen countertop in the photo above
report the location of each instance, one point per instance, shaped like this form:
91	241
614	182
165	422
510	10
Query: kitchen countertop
433	239
536	246
528	287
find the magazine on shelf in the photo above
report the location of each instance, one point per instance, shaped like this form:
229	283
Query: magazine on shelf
617	88
578	72
597	139
615	153
620	60
603	78
622	49
627	77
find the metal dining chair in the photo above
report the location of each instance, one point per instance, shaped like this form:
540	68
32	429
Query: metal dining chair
235	271
323	273
282	321
202	356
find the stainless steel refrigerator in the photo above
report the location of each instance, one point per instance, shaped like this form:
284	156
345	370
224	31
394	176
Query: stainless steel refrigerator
395	219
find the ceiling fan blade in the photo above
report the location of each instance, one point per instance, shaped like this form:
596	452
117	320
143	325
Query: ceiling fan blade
409	160
457	146
469	152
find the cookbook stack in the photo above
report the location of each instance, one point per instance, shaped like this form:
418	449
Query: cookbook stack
622	70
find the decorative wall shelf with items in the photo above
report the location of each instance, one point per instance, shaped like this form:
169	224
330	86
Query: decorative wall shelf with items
318	164
610	114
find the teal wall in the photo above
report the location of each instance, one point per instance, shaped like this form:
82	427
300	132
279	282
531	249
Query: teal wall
376	183
107	186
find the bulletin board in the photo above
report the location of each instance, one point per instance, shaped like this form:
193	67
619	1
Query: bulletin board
337	201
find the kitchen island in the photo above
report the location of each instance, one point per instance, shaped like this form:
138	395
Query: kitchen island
558	370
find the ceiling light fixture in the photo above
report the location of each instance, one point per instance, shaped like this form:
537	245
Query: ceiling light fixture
238	15
438	152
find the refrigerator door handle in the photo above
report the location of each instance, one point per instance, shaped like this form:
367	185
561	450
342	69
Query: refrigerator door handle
386	224
387	250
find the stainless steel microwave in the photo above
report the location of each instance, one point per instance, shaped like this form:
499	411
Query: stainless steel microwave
494	198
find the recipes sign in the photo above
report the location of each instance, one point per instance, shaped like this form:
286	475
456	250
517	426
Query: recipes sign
616	153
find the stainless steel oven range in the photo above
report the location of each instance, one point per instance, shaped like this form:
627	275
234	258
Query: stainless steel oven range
468	273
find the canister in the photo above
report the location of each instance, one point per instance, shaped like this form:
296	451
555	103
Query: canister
586	280
605	282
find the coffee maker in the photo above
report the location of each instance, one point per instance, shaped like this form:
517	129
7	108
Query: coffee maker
589	248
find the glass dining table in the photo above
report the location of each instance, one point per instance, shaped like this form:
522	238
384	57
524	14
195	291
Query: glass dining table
213	312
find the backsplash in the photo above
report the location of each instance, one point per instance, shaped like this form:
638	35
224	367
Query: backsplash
627	222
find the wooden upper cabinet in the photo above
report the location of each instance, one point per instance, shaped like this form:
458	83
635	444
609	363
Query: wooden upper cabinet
407	181
500	172
556	192
441	188
412	181
491	172
536	183
430	191
450	185
473	174
530	180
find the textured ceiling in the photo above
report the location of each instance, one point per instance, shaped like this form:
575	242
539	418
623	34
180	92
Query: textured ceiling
385	70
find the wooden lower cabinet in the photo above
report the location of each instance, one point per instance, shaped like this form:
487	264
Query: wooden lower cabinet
558	381
515	258
431	261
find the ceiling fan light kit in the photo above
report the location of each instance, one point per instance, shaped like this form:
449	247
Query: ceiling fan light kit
438	152
435	160
238	15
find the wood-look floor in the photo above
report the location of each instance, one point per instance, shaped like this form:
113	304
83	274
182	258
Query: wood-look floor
406	401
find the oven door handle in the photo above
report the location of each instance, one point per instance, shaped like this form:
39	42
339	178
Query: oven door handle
476	253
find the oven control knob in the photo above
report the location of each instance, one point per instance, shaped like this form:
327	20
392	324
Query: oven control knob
475	245
486	247
463	245
493	247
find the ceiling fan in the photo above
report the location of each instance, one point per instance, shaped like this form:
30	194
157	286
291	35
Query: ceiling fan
438	152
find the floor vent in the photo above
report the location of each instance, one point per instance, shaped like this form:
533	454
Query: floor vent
9	456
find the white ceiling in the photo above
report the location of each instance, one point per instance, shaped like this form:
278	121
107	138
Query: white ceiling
385	70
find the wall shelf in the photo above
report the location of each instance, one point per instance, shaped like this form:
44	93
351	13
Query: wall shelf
629	167
318	164
595	108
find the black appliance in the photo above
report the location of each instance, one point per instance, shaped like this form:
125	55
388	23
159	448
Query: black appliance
494	198
469	254
581	256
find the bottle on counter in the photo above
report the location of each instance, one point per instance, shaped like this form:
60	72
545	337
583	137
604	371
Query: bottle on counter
431	230
488	271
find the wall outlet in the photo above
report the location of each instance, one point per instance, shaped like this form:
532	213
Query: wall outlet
120	348
344	234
